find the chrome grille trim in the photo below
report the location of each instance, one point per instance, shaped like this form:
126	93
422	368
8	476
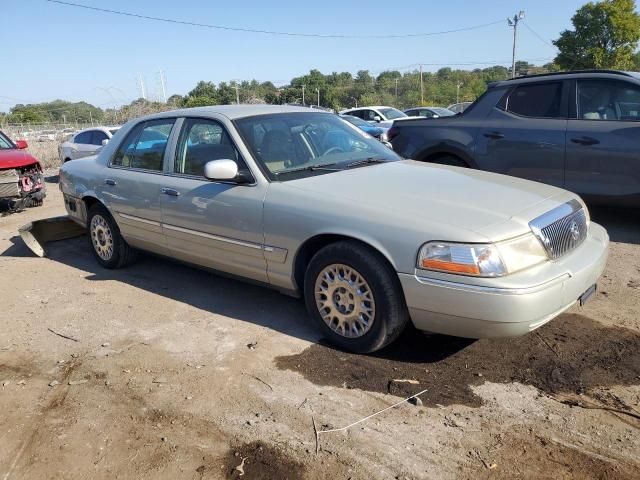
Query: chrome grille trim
562	229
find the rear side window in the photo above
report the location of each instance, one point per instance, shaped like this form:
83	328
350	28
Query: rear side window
83	138
98	137
144	146
539	100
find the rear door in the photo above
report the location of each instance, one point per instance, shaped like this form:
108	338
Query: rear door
524	135
133	181
603	141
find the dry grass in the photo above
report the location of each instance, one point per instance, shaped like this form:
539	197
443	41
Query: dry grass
46	152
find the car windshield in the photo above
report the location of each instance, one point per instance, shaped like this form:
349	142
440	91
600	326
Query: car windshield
392	113
443	112
358	122
5	143
293	145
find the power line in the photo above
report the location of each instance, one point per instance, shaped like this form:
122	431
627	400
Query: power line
269	32
537	35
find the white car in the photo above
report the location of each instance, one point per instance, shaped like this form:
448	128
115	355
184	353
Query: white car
378	115
86	142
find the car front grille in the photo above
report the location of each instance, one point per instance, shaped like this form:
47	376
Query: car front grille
561	230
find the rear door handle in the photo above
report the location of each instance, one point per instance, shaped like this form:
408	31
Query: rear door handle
585	141
170	191
110	181
494	135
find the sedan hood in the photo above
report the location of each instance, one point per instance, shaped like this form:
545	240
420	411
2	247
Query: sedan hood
14	158
414	193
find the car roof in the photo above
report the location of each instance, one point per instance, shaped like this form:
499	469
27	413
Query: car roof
541	77
233	112
102	129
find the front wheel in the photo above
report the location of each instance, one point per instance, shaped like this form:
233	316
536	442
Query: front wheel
108	246
355	297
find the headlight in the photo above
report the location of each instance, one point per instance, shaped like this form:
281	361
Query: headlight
482	260
586	210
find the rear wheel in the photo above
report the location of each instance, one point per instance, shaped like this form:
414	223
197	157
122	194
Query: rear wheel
355	297
108	246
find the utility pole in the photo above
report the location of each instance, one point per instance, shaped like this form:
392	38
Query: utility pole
303	86
421	87
458	92
396	90
513	22
318	91
237	94
164	89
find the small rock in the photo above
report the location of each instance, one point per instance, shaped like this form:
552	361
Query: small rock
415	401
160	380
22	382
60	361
74	355
188	398
53	383
106	344
6	382
164	439
479	375
252	345
78	382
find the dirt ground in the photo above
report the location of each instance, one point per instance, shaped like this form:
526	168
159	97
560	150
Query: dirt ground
173	372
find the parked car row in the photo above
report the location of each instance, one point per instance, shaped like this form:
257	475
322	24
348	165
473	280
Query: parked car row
303	202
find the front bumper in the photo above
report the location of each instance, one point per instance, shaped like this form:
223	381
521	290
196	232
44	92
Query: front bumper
480	311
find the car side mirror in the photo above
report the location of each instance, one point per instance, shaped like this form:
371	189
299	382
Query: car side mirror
21	144
105	141
377	119
221	170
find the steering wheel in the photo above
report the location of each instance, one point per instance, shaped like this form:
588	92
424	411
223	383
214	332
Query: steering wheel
333	149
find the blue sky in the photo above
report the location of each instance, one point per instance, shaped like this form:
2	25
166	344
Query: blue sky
58	51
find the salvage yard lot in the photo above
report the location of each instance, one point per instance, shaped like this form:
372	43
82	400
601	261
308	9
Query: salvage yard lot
173	372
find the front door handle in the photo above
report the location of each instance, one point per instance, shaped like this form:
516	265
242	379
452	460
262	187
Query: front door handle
110	181
494	135
170	191
585	141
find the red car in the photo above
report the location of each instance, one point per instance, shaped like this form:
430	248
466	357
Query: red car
21	176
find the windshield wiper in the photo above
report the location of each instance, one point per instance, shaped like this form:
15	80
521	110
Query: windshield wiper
310	168
366	161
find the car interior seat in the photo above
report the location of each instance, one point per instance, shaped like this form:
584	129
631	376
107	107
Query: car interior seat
276	150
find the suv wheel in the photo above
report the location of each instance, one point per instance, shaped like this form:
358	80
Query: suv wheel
107	244
355	297
450	160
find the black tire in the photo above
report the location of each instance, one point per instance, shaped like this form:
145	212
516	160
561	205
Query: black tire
121	254
451	160
390	314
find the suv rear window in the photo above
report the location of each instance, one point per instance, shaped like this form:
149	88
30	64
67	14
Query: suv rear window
539	100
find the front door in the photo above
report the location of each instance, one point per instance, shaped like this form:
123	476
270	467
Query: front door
214	224
524	135
603	142
132	183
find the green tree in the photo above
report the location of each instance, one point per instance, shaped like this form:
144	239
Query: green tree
605	35
204	94
636	61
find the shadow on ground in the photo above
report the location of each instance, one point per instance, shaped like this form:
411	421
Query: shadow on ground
623	224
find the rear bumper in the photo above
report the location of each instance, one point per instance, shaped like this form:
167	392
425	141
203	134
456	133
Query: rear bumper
475	311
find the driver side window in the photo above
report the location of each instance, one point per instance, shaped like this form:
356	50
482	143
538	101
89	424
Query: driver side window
202	141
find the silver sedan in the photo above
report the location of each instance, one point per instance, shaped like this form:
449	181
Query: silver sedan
306	203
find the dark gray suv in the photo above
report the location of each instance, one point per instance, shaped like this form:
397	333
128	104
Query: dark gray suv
577	130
